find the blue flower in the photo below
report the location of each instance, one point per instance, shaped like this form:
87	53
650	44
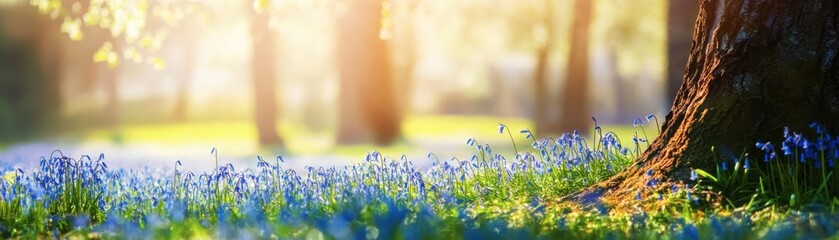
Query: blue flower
527	132
816	126
470	142
637	122
690	232
501	128
693	175
786	149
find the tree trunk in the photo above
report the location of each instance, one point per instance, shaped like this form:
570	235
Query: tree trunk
110	79
622	94
188	45
264	82
540	94
544	125
109	75
681	15
754	68
365	68
576	114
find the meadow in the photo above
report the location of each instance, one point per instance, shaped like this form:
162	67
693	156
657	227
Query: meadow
790	193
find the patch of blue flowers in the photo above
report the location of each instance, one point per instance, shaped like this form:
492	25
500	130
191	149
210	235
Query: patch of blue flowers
486	196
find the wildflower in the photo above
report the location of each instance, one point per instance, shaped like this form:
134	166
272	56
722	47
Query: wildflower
501	128
651	183
746	164
527	132
724	166
637	122
693	175
470	142
817	126
786	149
690	232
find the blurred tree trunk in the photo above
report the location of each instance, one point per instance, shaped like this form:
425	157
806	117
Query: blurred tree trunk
50	48
109	75
187	45
404	41
623	96
755	67
544	126
365	69
576	114
264	81
681	16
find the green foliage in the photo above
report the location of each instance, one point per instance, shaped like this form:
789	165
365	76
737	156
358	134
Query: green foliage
802	177
76	199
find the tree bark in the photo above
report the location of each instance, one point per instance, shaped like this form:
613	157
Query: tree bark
365	68
681	15
576	114
755	67
264	81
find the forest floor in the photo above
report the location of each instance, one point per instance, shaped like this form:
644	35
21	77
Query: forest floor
163	181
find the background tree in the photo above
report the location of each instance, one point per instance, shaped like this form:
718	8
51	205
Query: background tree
681	16
367	88
576	114
264	80
541	102
186	37
755	67
30	98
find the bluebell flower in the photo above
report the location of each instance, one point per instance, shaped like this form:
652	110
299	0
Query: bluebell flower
501	128
470	142
693	175
724	166
690	232
527	132
637	122
651	183
816	126
786	149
